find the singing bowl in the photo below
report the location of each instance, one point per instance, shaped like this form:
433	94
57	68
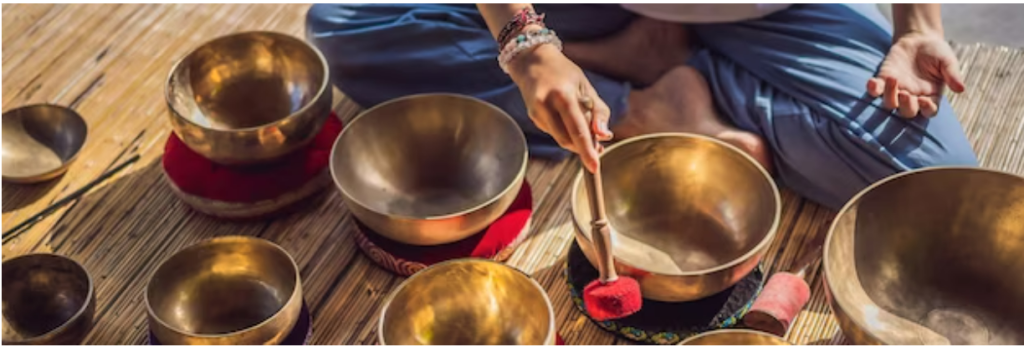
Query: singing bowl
734	337
932	256
249	97
430	169
40	141
48	300
690	215
467	302
227	290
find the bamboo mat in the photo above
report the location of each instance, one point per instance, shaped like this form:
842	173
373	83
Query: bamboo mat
109	62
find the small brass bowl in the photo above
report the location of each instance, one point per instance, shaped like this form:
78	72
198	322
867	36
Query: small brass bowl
249	97
227	290
467	302
48	300
40	141
690	215
932	256
734	337
430	169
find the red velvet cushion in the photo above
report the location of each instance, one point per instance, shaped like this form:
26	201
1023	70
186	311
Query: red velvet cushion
196	175
486	244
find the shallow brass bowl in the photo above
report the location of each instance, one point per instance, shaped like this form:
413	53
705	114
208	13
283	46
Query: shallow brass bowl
48	300
933	256
467	302
430	169
227	290
734	337
690	215
249	97
40	141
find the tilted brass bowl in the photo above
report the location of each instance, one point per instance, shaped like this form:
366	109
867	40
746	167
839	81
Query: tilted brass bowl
467	302
932	256
226	290
734	337
690	215
40	141
430	169
249	97
48	300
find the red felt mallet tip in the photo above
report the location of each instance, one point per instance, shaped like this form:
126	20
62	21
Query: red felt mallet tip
779	303
612	300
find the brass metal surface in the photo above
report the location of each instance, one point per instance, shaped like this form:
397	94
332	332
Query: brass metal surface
40	141
690	215
467	302
734	337
430	169
249	97
933	256
226	290
47	300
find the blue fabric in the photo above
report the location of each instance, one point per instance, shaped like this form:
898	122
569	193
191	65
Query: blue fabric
797	78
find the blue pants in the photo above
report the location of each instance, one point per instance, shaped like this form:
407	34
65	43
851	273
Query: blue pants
797	78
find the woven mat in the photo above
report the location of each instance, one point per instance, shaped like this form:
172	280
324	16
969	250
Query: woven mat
110	62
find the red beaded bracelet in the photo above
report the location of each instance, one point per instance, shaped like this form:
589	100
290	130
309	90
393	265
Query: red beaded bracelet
519	21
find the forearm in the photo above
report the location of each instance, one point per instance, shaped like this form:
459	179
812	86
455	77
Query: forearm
917	18
496	15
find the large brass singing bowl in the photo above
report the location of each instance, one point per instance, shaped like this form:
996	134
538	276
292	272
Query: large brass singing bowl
40	141
734	337
934	256
430	169
249	97
48	300
690	215
227	290
467	302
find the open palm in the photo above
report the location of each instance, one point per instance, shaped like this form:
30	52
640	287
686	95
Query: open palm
914	73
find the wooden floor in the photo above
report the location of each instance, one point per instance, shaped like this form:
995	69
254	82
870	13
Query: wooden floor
109	62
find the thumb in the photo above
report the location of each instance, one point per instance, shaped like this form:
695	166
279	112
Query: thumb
951	75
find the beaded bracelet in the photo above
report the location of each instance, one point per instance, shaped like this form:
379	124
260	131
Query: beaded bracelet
519	21
525	42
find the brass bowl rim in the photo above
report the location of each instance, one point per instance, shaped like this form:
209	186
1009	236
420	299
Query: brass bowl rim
324	86
225	239
754	251
520	175
726	331
826	259
75	317
64	166
391	296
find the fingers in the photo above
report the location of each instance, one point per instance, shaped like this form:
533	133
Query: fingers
547	121
951	75
908	105
876	87
578	129
601	116
929	105
891	97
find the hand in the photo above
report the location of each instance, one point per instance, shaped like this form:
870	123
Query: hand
551	86
913	75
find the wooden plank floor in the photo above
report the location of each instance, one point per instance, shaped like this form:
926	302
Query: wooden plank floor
109	62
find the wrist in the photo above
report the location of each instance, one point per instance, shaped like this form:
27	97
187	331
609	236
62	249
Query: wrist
518	66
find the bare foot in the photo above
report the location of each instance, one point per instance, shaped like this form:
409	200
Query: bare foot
641	53
681	102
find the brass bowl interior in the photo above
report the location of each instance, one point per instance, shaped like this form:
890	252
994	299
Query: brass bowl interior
429	156
939	248
222	286
246	80
735	337
468	302
42	294
40	140
681	204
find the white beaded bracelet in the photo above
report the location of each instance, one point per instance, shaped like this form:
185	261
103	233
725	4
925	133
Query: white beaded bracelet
526	42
